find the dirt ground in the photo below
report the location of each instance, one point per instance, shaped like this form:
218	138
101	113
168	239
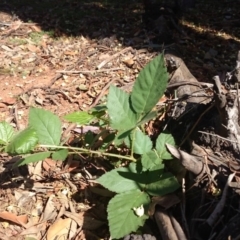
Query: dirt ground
63	57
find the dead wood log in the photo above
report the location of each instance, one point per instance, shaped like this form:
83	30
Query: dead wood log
179	73
165	225
192	163
227	102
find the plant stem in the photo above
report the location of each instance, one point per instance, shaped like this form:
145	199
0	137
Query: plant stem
88	151
133	141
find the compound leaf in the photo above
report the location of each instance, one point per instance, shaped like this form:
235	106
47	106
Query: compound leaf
165	184
47	125
121	115
121	212
23	142
162	139
149	86
6	132
81	118
36	157
150	159
60	155
122	179
142	143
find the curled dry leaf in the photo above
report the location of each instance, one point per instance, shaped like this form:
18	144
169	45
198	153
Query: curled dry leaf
59	230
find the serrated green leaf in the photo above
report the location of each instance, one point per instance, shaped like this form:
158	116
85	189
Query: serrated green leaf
121	115
47	126
60	155
23	142
36	157
149	86
121	136
150	159
142	143
162	139
6	132
121	216
122	179
81	118
165	184
149	116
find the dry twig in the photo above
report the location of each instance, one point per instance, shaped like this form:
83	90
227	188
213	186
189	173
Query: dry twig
112	57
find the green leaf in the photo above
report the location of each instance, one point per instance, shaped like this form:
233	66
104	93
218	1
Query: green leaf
165	184
23	142
149	86
121	115
60	155
6	132
122	136
122	179
162	139
121	214
81	118
98	109
47	126
142	143
36	157
149	116
150	159
89	138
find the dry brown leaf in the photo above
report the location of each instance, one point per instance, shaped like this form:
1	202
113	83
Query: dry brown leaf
59	230
36	171
129	62
49	211
77	217
71	53
20	220
32	48
48	163
36	229
6	48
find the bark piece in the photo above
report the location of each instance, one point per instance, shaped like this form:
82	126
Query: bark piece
180	73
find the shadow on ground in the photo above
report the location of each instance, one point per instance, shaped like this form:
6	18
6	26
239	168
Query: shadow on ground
209	26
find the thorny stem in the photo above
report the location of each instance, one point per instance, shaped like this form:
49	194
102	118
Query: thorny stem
88	151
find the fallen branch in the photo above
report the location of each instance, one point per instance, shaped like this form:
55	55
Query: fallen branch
217	211
190	162
90	71
164	224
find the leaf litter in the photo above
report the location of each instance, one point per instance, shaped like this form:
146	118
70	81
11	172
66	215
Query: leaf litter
65	73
